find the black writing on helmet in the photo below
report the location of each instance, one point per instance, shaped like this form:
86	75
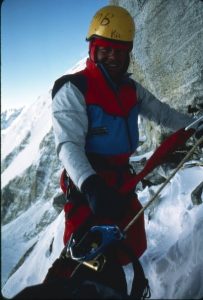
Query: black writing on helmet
106	19
115	34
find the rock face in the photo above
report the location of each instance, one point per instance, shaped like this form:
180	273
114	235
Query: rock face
167	57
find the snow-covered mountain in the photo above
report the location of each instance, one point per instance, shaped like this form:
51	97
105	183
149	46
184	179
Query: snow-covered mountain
29	161
8	116
32	229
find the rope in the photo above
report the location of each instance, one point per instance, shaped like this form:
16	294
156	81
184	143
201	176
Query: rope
164	184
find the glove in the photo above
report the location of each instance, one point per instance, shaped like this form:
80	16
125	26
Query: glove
199	130
103	200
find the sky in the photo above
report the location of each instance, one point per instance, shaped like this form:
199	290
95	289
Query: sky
40	41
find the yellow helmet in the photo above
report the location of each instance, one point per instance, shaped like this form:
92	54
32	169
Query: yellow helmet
112	22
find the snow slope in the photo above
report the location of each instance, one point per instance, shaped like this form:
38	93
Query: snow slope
8	116
34	123
173	262
37	126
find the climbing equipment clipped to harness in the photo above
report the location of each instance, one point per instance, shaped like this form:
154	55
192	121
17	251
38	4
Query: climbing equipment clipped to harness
89	249
94	242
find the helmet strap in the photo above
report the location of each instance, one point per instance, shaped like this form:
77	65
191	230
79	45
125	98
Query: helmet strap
92	50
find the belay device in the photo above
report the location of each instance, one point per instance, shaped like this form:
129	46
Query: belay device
89	249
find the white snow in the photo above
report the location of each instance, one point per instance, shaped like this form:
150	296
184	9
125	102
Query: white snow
40	259
38	125
173	262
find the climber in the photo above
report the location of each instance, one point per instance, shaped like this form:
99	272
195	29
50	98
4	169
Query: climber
95	121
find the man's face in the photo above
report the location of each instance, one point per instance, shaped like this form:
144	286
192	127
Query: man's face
114	60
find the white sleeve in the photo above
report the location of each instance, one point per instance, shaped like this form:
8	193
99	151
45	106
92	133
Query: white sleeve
159	112
70	124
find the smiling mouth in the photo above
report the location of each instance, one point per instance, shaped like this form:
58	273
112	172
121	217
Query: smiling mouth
113	66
